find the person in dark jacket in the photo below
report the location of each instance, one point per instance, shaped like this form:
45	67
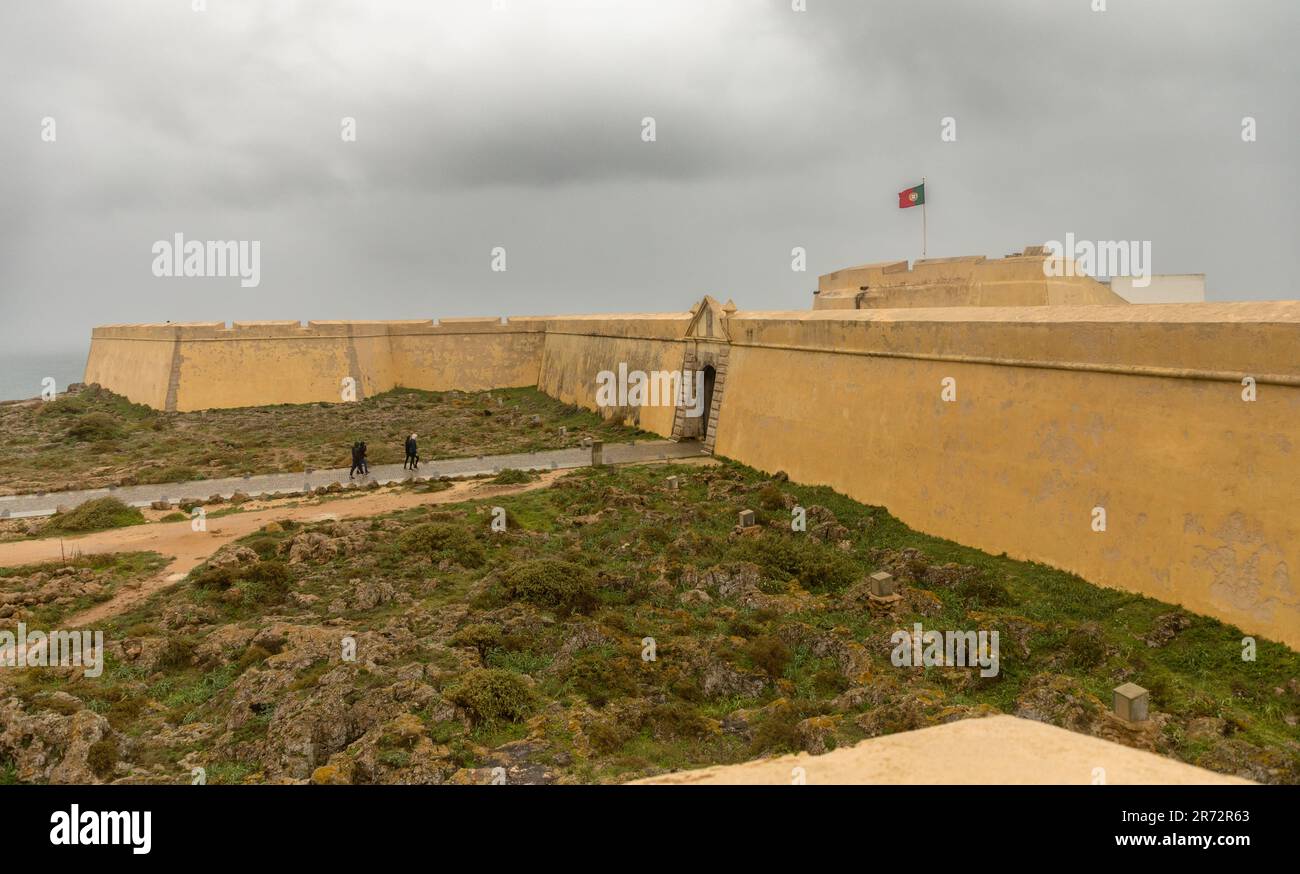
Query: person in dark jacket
412	454
358	463
365	462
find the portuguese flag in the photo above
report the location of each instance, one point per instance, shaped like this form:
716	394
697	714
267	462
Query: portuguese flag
912	197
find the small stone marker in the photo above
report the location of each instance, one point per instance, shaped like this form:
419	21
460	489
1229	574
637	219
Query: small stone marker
1131	702
564	432
586	442
882	584
746	518
535	419
597	453
673	483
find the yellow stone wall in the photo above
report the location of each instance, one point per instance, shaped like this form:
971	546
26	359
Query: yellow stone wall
578	348
258	363
133	360
1059	410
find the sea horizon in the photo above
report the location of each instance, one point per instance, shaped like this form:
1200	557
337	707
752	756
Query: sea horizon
22	374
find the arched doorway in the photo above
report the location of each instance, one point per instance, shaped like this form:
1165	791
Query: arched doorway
710	377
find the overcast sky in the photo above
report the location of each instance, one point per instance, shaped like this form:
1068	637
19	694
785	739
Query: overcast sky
521	127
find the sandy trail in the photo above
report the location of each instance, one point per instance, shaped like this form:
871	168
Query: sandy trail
189	548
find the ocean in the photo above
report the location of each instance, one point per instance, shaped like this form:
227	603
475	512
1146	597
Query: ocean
22	374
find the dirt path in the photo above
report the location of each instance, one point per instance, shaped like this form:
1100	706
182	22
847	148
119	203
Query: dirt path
189	548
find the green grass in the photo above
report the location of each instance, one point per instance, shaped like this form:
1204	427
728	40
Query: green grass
99	514
96	438
109	571
537	633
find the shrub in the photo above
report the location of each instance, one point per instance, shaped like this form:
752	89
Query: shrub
678	719
254	655
777	732
175	474
512	476
176	654
828	683
266	582
770	497
656	535
94	426
102	757
481	636
548	582
492	695
1085	648
216	579
769	654
96	515
815	566
440	541
599	679
265	545
980	592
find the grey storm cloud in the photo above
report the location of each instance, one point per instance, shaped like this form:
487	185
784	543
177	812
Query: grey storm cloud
521	127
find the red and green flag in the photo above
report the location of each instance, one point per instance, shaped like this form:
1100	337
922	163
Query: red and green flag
912	196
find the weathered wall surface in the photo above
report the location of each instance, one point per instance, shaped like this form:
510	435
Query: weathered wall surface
134	360
207	365
1059	410
1017	280
578	348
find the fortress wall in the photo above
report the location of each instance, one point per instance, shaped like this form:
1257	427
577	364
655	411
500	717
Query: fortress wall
578	348
207	365
1059	409
469	354
257	363
133	360
1137	410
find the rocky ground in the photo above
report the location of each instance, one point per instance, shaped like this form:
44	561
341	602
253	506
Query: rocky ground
617	628
94	438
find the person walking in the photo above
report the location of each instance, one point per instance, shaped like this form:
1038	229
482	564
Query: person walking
365	462
358	464
412	454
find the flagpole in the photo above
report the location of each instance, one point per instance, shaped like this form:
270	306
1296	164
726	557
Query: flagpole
923	228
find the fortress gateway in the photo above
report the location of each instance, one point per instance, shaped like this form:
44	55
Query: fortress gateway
978	400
